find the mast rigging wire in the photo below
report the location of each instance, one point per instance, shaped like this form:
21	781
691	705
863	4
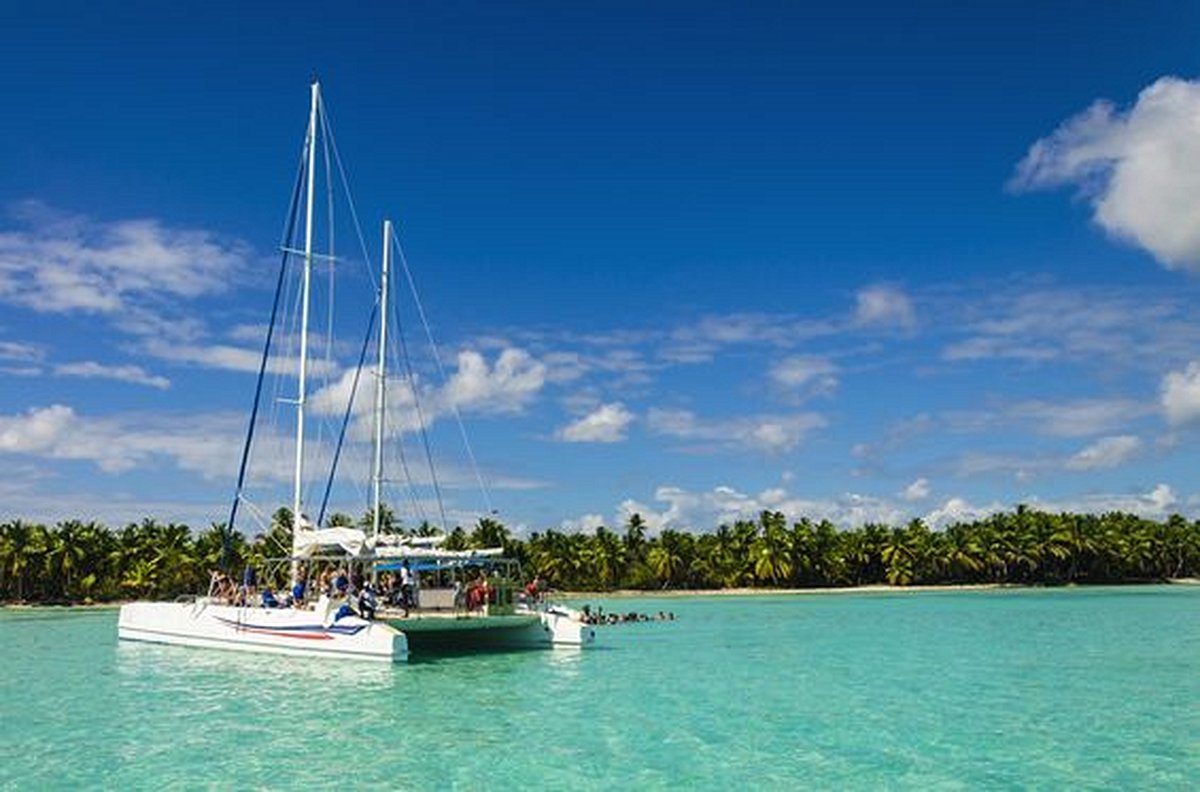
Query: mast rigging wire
289	227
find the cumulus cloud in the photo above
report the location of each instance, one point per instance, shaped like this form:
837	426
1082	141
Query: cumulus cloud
772	434
1180	394
90	369
957	509
54	262
507	386
1157	503
606	424
1136	166
587	523
699	511
1107	452
918	490
884	306
116	444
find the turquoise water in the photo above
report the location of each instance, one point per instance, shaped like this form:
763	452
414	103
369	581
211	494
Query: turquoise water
1084	688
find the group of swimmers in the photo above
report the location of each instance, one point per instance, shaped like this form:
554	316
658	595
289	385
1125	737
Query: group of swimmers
598	616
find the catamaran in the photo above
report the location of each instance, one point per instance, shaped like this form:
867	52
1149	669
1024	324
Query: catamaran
435	611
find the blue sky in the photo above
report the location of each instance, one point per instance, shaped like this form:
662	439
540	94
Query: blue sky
861	261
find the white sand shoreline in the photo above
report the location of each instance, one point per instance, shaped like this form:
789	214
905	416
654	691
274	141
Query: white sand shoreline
730	592
869	589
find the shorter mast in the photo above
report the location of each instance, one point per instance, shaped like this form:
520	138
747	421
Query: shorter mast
381	381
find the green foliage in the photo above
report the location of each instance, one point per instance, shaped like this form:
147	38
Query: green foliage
78	561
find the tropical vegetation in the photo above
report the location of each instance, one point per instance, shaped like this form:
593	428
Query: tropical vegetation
77	561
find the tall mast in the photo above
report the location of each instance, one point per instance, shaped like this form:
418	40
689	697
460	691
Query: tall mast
381	378
311	143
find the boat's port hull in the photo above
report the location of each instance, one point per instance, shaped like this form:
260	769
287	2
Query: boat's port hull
299	633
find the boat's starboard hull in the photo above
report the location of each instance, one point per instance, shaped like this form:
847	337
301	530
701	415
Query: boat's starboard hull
267	630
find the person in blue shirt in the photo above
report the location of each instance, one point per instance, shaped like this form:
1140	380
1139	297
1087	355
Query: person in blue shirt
299	590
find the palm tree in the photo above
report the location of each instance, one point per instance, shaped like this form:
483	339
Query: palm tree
15	557
606	556
668	557
65	554
899	557
772	550
489	533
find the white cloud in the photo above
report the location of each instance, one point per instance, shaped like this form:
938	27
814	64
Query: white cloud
92	370
508	386
19	352
1022	467
1107	452
231	358
772	434
885	306
699	342
36	431
1180	394
21	371
958	510
54	262
805	375
704	511
1094	326
1136	166
606	424
1157	503
918	490
587	523
1078	418
116	444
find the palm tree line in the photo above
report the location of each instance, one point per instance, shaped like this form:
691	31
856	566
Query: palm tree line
76	561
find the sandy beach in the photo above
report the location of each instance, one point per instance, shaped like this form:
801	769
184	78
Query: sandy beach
871	589
679	593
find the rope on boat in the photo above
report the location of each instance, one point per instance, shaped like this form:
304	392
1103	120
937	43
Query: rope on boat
412	384
437	359
337	454
289	229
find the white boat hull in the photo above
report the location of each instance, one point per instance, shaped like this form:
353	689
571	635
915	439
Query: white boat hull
564	626
281	631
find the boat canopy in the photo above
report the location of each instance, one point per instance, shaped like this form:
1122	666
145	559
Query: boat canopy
307	543
433	559
401	552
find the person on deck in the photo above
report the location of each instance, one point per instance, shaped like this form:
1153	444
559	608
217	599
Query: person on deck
299	590
406	586
533	590
367	602
460	597
249	584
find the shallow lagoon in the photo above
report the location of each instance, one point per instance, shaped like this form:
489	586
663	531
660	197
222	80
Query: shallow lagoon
1082	688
